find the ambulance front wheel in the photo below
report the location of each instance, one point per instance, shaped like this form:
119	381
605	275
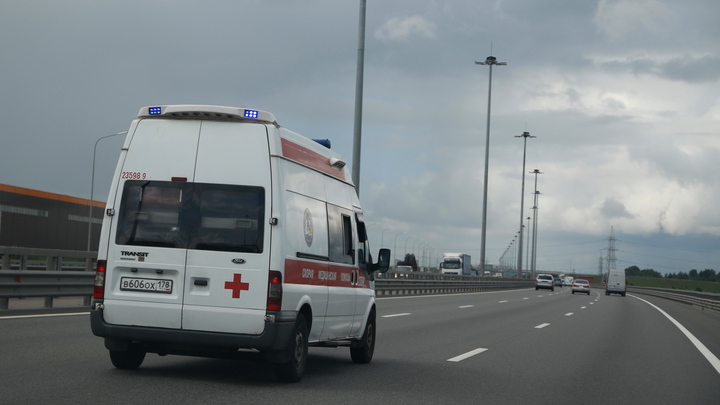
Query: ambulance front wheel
362	351
127	359
293	369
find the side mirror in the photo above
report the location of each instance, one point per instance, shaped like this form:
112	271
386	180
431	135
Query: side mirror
383	263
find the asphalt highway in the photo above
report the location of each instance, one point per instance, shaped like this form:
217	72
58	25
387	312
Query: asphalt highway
509	347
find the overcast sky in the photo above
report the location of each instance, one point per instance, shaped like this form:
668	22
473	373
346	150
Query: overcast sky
623	97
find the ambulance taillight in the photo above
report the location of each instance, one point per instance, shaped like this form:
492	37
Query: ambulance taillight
99	289
274	298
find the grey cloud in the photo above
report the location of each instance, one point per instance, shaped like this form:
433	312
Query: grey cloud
613	208
704	69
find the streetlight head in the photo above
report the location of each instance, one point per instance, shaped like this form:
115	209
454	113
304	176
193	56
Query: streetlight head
491	60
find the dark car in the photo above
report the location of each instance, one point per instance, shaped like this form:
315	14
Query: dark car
558	282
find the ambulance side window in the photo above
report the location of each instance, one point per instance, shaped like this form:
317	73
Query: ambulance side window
364	258
340	249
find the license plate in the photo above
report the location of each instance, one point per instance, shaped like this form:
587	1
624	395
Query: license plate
146	285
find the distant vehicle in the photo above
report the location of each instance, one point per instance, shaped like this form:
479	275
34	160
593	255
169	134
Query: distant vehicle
568	280
581	285
544	281
616	283
457	263
403	271
497	275
486	273
558	282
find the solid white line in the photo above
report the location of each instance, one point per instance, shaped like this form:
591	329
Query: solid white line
698	344
467	355
43	315
394	315
542	325
569	314
466	306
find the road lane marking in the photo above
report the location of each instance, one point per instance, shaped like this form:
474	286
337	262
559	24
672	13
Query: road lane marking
542	325
466	306
569	314
583	307
467	355
526	298
714	361
503	301
43	315
394	315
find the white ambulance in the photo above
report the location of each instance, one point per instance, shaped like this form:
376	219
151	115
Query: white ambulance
226	234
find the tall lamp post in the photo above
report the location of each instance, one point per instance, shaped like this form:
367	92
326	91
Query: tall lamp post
525	135
92	187
490	61
527	248
535	216
357	130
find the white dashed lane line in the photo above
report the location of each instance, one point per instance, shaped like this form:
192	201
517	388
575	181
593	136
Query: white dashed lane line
467	355
394	315
542	325
466	306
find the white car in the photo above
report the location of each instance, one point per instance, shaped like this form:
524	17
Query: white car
581	285
545	281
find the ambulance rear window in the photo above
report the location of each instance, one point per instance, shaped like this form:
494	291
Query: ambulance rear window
192	216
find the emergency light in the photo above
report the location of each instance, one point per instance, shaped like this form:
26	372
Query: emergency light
210	112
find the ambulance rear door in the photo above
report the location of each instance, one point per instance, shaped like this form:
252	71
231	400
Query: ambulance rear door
226	278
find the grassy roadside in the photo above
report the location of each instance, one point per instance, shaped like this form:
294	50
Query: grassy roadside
688	285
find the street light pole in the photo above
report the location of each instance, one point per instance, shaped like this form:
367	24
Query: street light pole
490	61
527	248
535	216
357	130
92	187
525	135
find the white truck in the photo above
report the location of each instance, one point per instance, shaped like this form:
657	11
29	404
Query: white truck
457	263
226	234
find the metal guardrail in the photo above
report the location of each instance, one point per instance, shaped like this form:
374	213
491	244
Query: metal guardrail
18	258
405	283
704	300
45	273
47	284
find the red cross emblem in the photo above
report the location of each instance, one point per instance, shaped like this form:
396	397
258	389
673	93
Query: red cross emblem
236	285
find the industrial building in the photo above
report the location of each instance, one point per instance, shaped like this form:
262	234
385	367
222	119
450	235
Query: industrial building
38	219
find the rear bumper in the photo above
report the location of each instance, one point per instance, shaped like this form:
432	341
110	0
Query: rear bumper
275	337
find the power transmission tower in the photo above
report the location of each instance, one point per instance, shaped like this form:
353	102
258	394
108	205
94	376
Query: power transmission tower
611	250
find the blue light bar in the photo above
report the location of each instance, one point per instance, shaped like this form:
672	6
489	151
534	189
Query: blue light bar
251	114
154	110
324	142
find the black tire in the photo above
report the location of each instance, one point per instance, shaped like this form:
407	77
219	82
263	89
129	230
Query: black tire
573	292
536	288
362	353
294	368
127	359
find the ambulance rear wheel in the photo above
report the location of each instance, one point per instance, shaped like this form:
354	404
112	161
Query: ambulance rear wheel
363	352
127	359
293	369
